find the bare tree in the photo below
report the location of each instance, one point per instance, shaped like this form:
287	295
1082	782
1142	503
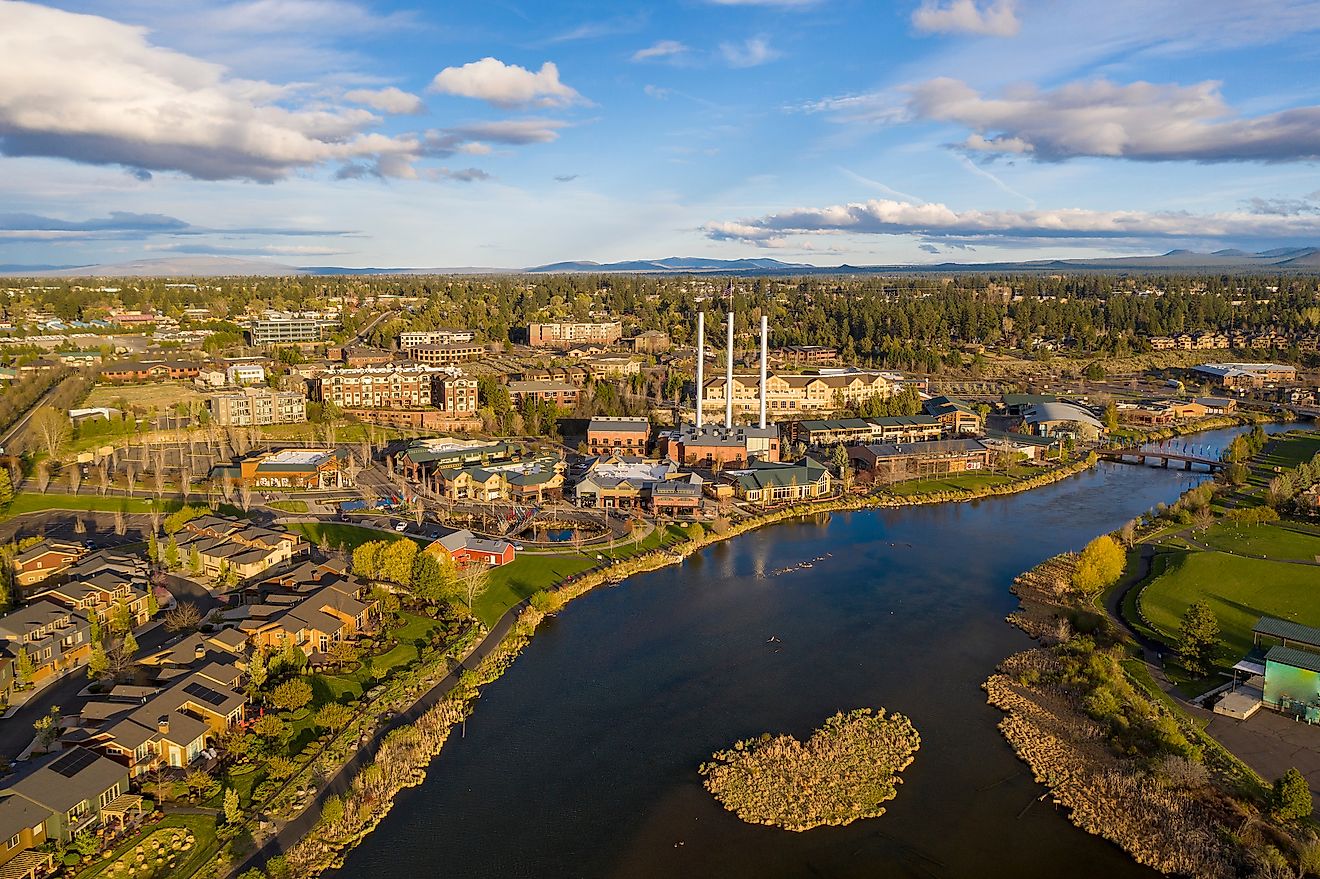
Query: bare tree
184	617
158	477
131	475
244	495
103	476
43	476
50	426
79	526
475	579
120	526
419	512
185	480
75	478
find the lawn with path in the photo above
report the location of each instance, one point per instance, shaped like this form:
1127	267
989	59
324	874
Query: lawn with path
338	534
526	574
1239	590
1282	541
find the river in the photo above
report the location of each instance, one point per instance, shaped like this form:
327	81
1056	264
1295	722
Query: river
581	761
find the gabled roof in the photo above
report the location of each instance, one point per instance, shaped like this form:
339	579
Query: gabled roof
1295	658
64	780
1273	627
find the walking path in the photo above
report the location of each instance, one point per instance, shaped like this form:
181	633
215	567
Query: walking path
297	827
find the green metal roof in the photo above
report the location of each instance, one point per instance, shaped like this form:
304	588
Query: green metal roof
1294	658
1273	627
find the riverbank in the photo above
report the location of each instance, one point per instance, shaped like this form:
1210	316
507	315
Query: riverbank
1117	754
371	794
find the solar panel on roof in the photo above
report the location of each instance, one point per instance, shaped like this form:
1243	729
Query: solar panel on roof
206	694
73	762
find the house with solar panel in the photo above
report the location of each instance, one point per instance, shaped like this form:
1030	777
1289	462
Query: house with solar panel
55	798
1282	672
141	728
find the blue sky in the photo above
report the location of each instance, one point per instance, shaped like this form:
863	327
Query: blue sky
347	132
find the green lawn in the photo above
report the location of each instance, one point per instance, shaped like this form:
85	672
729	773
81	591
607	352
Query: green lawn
203	850
511	583
972	481
344	687
1240	591
289	506
1288	540
33	502
339	534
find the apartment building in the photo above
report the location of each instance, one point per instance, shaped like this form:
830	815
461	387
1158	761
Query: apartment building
394	386
564	335
436	337
793	395
255	406
446	353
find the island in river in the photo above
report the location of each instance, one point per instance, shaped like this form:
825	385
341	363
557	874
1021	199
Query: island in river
579	760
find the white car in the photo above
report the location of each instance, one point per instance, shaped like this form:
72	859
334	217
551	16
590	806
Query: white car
402	526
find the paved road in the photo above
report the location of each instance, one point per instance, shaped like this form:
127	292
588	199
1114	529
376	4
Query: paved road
301	823
13	434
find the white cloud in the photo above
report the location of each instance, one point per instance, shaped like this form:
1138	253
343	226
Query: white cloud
660	49
386	100
938	221
753	52
660	93
1141	120
996	18
506	85
93	90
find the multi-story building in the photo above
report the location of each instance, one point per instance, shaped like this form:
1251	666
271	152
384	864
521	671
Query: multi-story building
396	386
245	374
45	560
297	469
807	355
610	435
768	482
715	445
455	394
149	370
564	335
278	329
793	395
54	638
443	354
1247	376
849	431
559	393
256	406
436	337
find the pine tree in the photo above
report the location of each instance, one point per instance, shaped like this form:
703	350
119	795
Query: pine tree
130	644
194	561
153	604
153	549
1198	637
172	554
1292	797
233	811
6	488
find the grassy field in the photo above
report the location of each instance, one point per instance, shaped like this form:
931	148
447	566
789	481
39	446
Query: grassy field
289	506
340	535
203	850
511	583
1288	540
33	502
970	481
1240	590
157	395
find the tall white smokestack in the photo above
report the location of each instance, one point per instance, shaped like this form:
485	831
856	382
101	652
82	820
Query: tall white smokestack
728	383
701	360
765	333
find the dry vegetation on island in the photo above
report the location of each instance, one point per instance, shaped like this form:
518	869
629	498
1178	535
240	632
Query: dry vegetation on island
846	771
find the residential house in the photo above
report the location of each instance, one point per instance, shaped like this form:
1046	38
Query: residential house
463	548
76	788
56	639
41	562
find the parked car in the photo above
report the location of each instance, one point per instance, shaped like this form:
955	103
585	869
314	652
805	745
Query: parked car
402	526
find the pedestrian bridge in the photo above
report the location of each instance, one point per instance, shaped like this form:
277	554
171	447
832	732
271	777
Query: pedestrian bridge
1161	458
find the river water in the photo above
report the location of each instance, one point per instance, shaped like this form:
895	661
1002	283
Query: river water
581	761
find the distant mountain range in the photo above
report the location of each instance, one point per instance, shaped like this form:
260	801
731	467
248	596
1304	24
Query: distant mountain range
1232	261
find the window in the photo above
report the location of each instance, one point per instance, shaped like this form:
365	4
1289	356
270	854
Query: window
13	841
